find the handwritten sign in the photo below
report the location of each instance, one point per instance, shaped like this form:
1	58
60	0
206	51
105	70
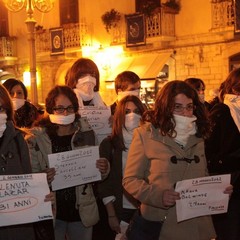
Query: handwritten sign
98	118
75	167
22	199
202	196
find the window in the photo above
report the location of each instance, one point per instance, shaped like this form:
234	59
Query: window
68	11
3	20
141	5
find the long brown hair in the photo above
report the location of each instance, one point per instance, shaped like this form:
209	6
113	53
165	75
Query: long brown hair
231	84
6	102
119	119
162	115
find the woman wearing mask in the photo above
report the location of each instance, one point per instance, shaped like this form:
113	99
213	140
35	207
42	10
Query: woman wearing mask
83	78
25	112
64	130
14	160
176	128
120	206
199	85
223	152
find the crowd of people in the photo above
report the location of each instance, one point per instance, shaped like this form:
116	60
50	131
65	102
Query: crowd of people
139	164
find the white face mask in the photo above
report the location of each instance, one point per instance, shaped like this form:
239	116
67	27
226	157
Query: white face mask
233	102
185	126
17	103
121	95
132	121
62	119
3	121
85	87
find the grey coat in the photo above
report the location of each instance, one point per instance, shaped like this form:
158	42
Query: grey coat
14	159
40	146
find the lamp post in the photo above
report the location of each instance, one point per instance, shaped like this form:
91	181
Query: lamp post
43	6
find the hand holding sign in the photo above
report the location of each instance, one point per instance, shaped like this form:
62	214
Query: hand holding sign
202	196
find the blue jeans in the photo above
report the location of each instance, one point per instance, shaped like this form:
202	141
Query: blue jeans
72	231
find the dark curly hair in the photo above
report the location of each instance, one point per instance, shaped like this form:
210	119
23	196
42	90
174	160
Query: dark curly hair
162	115
50	103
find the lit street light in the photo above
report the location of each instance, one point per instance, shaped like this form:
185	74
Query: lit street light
29	5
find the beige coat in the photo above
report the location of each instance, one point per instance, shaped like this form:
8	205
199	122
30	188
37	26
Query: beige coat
149	171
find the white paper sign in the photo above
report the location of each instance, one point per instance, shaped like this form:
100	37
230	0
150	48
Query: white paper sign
22	199
75	167
202	196
98	118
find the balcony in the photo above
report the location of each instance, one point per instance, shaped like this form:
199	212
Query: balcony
71	38
160	24
8	48
223	15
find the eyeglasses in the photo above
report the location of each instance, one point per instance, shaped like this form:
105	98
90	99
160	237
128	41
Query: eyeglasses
137	111
61	109
2	109
179	107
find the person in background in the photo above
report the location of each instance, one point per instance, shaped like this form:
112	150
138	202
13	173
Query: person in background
83	77
169	148
120	206
25	112
14	160
199	85
126	83
223	152
64	130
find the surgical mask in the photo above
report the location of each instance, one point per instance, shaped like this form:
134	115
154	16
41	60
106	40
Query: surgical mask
3	121
17	103
185	126
201	98
62	119
121	95
132	121
85	87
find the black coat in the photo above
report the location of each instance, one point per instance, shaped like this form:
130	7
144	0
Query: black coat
223	147
14	159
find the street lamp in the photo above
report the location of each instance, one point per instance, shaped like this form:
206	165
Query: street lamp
43	6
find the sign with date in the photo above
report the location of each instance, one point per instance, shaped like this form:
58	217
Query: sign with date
75	167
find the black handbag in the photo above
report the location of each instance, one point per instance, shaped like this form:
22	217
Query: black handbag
140	228
44	230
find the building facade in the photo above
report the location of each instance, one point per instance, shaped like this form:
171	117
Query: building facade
198	39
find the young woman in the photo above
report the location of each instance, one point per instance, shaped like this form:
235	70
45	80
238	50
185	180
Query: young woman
64	130
223	152
14	160
83	78
177	127
25	112
120	206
